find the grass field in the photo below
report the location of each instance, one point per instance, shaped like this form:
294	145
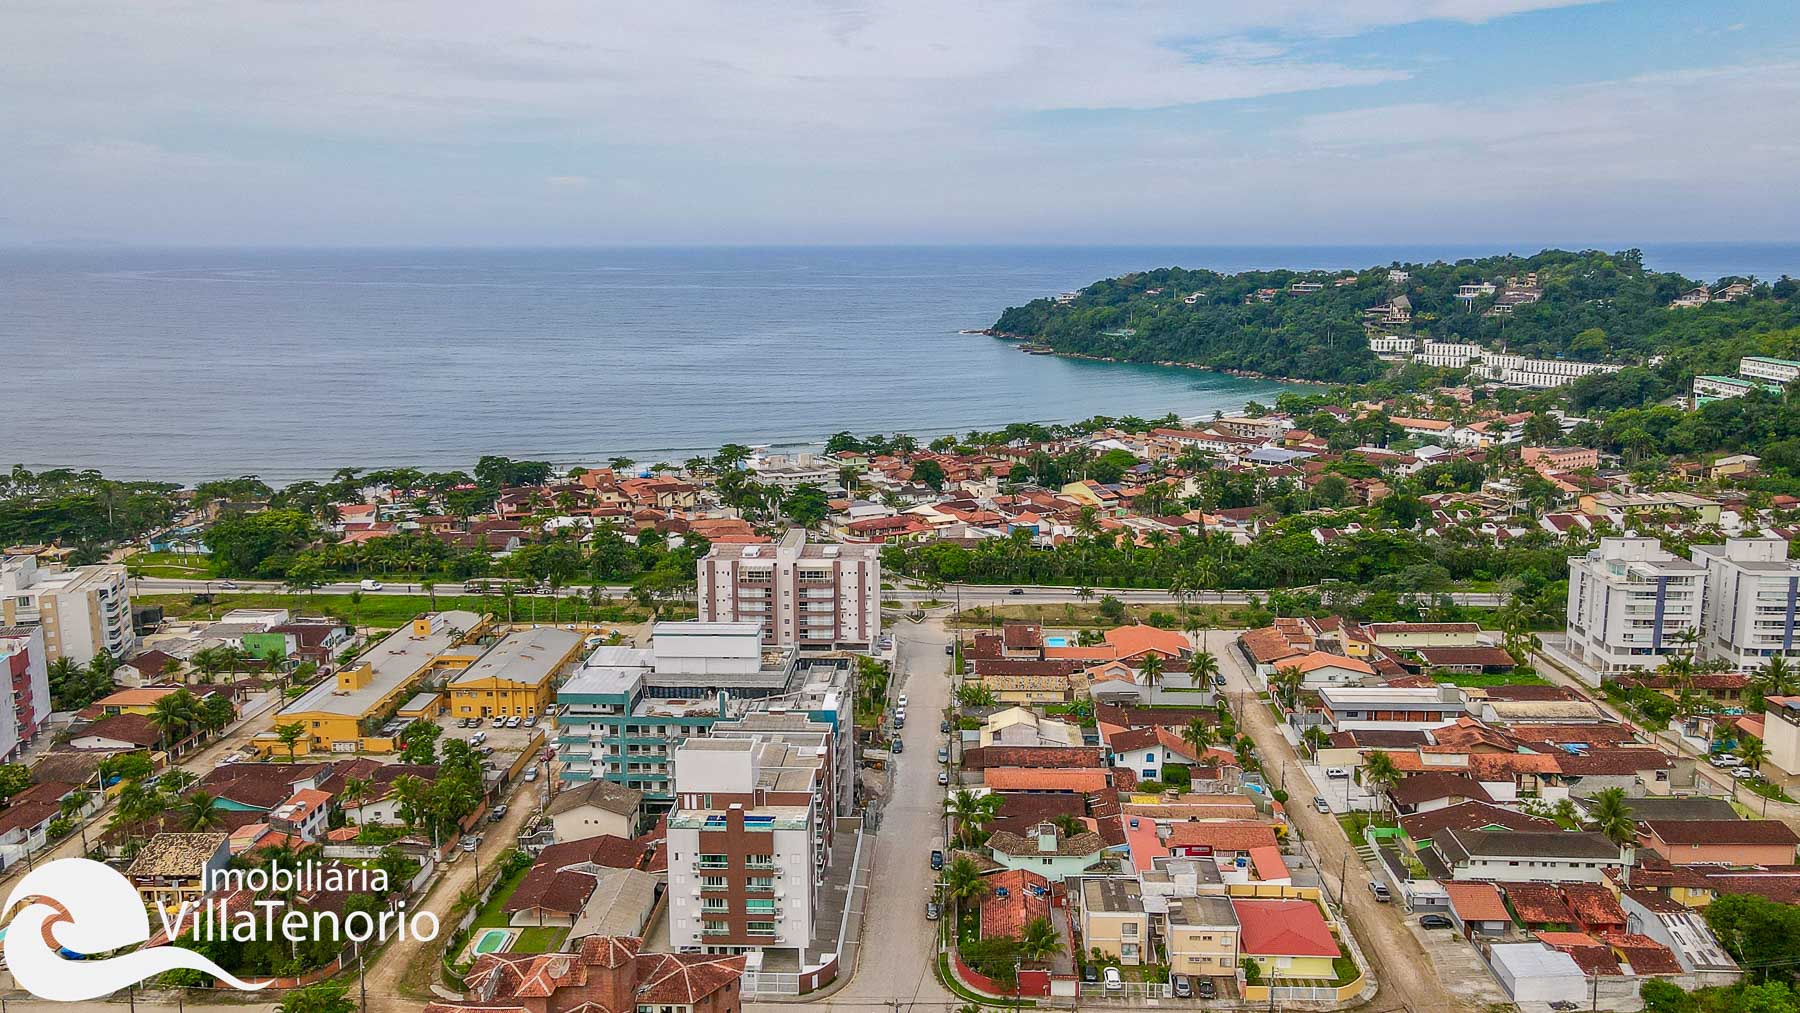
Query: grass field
389	611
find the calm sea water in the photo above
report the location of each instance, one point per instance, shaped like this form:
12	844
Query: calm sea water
290	363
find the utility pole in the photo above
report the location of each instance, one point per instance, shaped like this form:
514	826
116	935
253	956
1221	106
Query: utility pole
361	981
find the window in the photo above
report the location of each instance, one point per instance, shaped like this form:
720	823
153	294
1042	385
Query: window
761	928
714	862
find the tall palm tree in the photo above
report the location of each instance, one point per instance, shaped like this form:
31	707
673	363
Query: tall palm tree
1611	815
1203	667
1754	753
1777	678
1199	735
1380	771
173	717
1151	669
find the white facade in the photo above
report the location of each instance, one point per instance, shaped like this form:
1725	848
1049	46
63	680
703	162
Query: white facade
1451	355
1749	602
25	668
1392	347
84	612
810	595
1630	603
791	472
1761	367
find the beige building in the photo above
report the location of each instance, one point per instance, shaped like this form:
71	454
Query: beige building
1113	919
84	612
1201	936
1781	732
811	595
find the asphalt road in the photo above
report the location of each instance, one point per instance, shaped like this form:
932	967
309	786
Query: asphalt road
967	595
894	968
1403	971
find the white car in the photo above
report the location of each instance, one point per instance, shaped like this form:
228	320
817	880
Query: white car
532	774
1743	772
371	585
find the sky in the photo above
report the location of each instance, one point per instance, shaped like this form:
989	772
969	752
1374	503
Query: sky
579	122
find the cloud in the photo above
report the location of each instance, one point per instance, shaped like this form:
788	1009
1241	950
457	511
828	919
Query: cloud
417	120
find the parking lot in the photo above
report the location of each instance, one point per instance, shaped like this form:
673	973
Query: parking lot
1342	794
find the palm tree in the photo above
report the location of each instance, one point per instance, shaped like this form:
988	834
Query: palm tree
198	812
1380	771
1754	753
430	588
1199	735
962	880
1203	667
1777	677
1039	940
1611	815
1286	683
1151	669
1316	738
355	789
173	716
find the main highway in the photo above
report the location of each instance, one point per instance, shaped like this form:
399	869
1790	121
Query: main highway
965	595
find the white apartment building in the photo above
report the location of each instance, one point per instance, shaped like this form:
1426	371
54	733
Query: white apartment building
84	612
27	672
1392	347
1762	367
1448	354
815	596
747	848
1749	603
1630	602
789	472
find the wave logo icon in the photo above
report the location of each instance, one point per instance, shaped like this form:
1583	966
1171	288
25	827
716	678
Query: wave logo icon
101	911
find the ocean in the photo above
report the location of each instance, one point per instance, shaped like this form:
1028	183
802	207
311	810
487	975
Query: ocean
288	364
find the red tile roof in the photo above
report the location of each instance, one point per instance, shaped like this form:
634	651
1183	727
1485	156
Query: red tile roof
1027	896
1283	928
1721	832
1223	835
983	757
1537	904
1477	902
1595	908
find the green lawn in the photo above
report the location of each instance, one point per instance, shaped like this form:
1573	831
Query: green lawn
1490	679
390	611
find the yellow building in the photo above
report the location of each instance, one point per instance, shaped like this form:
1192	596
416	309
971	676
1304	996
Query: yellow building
517	676
340	714
1201	936
1113	919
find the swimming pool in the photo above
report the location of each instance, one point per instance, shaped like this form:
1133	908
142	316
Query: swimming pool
1056	641
494	940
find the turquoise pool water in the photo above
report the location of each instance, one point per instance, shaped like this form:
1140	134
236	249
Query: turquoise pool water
1056	641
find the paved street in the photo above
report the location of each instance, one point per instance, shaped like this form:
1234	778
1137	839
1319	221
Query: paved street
970	594
1402	969
898	950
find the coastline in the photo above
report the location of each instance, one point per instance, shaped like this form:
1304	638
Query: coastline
1242	374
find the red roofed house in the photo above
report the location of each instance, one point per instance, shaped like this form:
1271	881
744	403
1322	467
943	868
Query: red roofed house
1014	898
1477	909
1286	938
605	974
1720	842
1222	838
1133	642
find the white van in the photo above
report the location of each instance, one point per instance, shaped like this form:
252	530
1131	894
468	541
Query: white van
371	585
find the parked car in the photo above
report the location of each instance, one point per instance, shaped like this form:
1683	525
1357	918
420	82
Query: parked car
944	726
532	774
470	843
937	859
1743	772
902	700
1722	760
943	754
499	812
531	721
1183	988
932	910
512	722
1380	891
1114	983
497	722
1337	773
478	738
899	746
1321	805
1090	974
1219	681
949	648
943	777
1435	922
371	585
1207	991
